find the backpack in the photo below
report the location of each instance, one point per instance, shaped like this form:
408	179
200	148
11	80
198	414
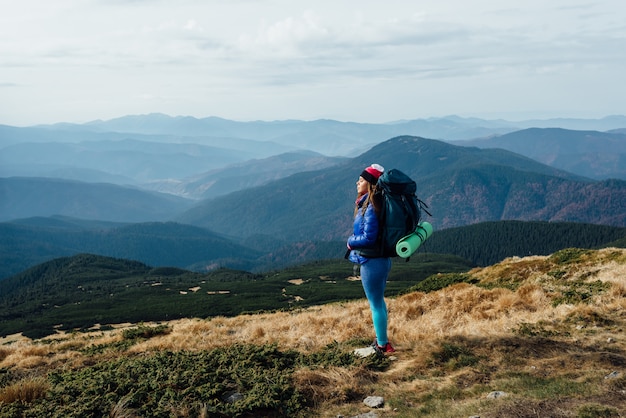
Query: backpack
400	211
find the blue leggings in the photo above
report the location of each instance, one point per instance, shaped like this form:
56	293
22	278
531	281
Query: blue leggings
374	274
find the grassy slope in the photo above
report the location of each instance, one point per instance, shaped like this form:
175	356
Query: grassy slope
545	330
80	291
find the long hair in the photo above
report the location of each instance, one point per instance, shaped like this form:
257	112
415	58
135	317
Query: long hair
372	198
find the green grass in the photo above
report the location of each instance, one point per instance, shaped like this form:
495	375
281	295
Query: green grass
454	357
166	382
527	385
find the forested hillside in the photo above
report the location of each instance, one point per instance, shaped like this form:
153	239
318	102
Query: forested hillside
83	290
592	154
462	186
28	242
490	242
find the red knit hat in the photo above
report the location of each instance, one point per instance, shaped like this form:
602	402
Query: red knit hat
372	173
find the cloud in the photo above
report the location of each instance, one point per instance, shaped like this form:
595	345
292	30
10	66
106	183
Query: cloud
212	52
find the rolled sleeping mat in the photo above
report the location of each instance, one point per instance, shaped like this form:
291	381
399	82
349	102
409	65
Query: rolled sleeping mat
407	245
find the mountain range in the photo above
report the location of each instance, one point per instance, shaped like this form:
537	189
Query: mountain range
304	216
271	198
461	185
164	153
151	218
29	242
22	197
331	137
593	154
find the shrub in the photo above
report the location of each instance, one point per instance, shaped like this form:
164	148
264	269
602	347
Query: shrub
597	411
568	255
145	332
24	391
440	281
454	356
580	291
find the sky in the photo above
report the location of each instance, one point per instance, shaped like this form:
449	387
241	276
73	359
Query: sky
349	60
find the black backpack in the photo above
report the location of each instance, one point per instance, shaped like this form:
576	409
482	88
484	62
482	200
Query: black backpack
400	210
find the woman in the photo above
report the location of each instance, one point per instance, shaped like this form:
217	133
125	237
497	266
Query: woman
364	249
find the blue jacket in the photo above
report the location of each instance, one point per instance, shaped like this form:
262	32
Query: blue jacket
365	232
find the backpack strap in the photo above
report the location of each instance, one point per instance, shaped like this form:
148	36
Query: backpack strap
423	206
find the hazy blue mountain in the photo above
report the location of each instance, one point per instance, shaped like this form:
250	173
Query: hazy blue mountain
27	242
22	197
462	185
137	161
30	241
82	152
63	172
326	133
303	215
606	123
166	152
75	133
593	154
244	175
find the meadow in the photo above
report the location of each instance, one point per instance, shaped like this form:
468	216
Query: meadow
538	336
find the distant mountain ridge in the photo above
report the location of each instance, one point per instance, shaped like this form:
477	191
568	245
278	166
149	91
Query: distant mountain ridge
30	241
449	127
299	204
243	175
461	185
593	154
133	161
167	154
464	185
329	137
22	197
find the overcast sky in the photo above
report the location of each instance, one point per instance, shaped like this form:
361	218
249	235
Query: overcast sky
349	60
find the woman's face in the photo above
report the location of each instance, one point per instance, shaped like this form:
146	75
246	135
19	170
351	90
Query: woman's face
361	186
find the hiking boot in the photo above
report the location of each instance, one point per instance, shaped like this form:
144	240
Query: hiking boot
384	349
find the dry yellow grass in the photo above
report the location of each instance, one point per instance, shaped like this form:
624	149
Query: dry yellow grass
26	390
586	339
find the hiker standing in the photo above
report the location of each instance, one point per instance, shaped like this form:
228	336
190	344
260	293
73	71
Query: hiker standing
362	245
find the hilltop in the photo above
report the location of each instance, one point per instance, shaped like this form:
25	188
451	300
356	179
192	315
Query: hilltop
544	332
